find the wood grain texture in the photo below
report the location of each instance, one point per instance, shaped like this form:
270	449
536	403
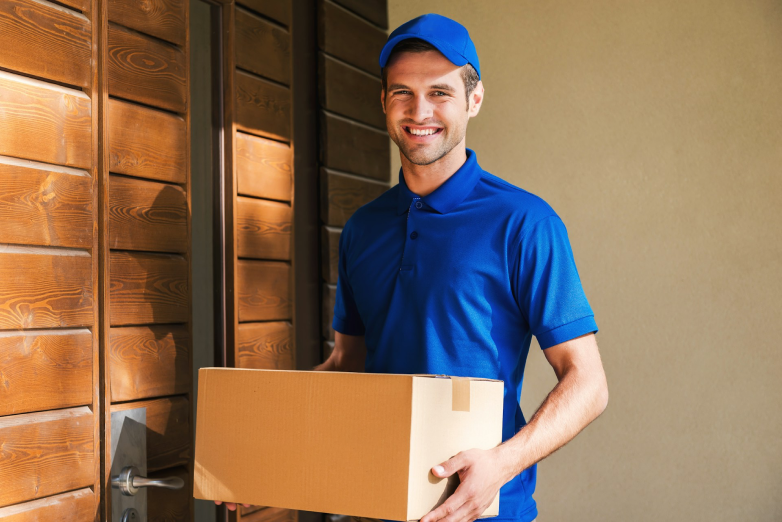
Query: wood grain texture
145	70
81	5
44	122
146	143
44	290
354	147
277	10
329	241
349	37
262	107
40	206
266	346
148	289
376	11
263	229
45	370
149	361
264	168
264	290
74	506
262	47
168	430
164	19
352	93
329	300
41	40
342	194
45	453
145	215
169	505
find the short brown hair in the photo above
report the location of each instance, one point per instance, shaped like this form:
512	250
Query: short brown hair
416	45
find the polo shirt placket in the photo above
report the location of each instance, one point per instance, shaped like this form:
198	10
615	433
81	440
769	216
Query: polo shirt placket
413	218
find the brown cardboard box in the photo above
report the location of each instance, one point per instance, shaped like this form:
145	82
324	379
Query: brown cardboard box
348	443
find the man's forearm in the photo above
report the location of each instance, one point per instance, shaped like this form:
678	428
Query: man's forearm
578	399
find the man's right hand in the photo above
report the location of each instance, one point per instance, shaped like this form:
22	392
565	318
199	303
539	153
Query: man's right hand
349	355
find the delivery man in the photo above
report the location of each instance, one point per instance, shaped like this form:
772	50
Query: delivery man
453	270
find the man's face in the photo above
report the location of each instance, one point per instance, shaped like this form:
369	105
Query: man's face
425	105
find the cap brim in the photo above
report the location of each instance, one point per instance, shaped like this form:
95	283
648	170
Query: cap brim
449	52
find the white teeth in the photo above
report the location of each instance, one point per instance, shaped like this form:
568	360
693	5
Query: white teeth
421	132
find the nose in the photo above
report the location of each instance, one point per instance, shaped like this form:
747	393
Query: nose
420	109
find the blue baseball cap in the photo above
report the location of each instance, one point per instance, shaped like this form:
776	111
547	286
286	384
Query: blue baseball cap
450	37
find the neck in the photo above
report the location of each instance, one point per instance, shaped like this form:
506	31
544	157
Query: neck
425	179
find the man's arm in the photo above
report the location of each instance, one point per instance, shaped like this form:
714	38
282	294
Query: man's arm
349	354
579	398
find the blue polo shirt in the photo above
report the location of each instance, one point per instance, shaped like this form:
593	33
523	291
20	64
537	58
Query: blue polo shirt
457	283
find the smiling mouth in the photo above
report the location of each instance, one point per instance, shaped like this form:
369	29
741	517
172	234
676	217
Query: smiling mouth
422	131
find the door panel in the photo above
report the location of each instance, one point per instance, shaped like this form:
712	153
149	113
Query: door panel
44	122
74	506
41	40
44	370
164	19
45	205
262	107
264	168
146	215
147	143
46	453
266	346
149	361
146	70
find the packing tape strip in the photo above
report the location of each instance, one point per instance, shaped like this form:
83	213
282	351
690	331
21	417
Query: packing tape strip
460	400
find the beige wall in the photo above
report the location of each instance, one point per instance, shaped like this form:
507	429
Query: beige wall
655	131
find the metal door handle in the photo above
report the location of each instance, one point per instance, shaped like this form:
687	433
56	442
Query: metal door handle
129	481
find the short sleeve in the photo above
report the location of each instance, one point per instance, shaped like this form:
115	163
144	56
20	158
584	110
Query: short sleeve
346	317
547	287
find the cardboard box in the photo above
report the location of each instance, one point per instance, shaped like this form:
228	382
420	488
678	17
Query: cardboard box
347	443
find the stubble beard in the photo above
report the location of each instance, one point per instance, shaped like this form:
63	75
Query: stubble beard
423	154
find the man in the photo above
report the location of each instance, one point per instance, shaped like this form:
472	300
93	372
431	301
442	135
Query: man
453	270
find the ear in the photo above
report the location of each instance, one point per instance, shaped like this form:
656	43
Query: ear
476	99
383	99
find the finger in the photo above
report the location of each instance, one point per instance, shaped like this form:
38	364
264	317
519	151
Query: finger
449	507
231	506
449	467
218	502
468	512
246	505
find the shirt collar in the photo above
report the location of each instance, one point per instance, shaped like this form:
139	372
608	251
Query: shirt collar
448	195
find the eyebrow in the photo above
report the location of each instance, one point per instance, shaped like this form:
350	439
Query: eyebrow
439	87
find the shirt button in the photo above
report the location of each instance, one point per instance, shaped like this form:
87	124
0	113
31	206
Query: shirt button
413	235
419	205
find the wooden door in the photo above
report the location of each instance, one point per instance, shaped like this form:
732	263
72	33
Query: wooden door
146	320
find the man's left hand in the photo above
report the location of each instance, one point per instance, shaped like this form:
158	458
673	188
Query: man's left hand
481	477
